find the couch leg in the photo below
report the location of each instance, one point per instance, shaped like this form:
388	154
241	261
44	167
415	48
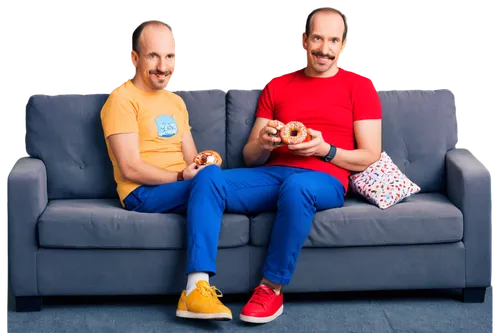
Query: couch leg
28	303
474	295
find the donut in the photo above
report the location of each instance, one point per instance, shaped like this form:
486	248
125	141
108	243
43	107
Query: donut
208	157
294	132
278	125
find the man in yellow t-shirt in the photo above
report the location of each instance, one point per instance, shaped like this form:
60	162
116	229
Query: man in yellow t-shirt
150	144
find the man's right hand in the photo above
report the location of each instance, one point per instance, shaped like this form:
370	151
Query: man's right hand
268	138
192	170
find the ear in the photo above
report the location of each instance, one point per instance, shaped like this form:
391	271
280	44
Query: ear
135	58
304	41
343	45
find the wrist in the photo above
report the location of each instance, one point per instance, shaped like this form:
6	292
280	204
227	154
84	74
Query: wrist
324	149
262	147
330	154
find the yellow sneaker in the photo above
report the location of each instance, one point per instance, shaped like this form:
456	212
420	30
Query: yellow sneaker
203	303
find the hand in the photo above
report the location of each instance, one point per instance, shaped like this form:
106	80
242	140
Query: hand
268	138
192	170
315	147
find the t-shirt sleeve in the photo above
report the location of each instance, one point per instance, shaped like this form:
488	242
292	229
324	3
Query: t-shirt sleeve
186	120
265	105
366	101
184	116
118	115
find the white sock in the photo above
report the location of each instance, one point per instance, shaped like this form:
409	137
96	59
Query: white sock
192	279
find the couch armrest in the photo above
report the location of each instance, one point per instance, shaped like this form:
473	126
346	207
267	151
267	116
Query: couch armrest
27	199
469	188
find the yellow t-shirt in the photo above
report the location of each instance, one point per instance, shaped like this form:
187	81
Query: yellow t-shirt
160	119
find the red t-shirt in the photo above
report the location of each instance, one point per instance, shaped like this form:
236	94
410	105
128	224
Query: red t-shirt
330	105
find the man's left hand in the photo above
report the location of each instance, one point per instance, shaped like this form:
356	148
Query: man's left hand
315	147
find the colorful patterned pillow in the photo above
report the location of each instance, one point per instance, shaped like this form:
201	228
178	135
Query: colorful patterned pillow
382	183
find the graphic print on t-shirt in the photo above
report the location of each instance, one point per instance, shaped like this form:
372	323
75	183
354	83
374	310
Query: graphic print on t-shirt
166	125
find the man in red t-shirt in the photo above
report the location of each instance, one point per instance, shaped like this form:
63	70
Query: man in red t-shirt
342	113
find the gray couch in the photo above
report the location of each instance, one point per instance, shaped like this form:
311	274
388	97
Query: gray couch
68	234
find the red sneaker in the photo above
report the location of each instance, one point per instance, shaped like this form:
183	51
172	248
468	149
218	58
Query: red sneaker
264	306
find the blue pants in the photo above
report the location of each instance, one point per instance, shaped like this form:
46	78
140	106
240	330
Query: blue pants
295	194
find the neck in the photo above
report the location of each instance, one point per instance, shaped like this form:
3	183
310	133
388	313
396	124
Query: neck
139	84
143	88
309	71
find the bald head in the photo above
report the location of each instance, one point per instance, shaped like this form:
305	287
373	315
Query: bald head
155	38
136	36
312	15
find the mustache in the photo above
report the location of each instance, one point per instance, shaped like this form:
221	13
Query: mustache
154	71
320	54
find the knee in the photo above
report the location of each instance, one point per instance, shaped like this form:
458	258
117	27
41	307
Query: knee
211	174
297	187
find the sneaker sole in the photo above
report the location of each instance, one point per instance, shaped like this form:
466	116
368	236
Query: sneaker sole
261	320
211	316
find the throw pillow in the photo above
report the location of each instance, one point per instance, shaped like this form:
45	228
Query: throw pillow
383	183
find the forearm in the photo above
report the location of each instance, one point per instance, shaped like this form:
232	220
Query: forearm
188	148
355	160
146	174
189	156
254	155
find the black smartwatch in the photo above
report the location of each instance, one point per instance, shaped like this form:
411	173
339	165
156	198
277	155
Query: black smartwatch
331	154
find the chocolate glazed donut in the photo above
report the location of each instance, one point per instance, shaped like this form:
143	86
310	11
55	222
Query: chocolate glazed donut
208	157
294	132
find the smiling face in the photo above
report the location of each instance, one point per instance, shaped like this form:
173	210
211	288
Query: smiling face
155	60
324	44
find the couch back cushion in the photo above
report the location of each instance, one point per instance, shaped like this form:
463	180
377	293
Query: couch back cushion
418	128
65	132
207	117
241	107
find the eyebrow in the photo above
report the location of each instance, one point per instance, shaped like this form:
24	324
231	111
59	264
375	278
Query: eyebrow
156	54
316	35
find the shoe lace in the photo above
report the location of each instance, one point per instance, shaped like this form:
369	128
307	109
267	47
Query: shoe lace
262	295
212	293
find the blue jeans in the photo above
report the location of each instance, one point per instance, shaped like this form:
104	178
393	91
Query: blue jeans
294	193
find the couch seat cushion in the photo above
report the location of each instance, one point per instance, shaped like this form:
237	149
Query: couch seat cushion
103	223
423	218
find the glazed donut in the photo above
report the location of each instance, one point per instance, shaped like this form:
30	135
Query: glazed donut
278	125
208	157
294	132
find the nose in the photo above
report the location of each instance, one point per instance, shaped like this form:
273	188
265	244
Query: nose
162	65
324	48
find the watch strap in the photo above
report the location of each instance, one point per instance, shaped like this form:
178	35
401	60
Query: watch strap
331	154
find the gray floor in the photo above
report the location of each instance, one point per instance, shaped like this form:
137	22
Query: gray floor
374	312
